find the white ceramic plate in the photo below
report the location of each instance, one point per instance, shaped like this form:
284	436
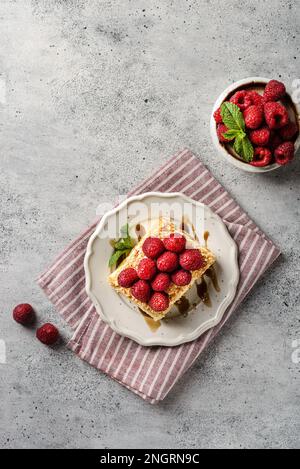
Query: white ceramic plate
124	317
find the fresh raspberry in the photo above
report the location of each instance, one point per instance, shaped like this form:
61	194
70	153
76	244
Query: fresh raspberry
217	116
260	136
175	242
254	116
153	247
127	277
181	277
262	157
284	153
47	334
167	262
241	99
24	314
191	259
159	301
141	290
221	129
276	115
161	282
256	98
275	141
289	131
146	269
274	91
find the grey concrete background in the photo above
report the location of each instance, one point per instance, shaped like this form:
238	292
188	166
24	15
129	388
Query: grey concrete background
98	93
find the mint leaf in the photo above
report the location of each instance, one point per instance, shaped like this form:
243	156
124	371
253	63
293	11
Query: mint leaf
125	231
232	116
122	247
231	134
247	149
126	243
237	146
115	257
243	147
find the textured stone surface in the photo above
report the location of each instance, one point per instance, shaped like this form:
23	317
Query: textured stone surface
97	94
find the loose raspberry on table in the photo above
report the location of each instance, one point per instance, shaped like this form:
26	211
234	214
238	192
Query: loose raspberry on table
153	247
262	157
191	259
274	91
47	334
167	262
24	314
181	277
284	153
260	136
146	269
127	277
241	99
175	242
276	115
218	116
221	130
289	131
254	116
141	291
161	282
159	301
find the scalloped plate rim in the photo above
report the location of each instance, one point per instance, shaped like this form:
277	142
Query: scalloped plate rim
181	338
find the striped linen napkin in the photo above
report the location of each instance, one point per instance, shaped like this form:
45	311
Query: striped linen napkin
151	372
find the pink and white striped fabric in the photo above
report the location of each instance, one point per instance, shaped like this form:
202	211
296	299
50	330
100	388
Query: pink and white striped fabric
151	372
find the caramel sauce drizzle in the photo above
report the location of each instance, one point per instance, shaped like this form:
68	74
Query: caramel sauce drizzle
153	325
183	305
206	236
203	293
140	231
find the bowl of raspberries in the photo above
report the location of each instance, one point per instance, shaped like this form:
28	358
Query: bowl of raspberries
255	125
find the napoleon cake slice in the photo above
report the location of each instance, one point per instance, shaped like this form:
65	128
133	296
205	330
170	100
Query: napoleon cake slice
161	229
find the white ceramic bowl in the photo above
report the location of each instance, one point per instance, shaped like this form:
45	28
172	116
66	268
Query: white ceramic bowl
235	160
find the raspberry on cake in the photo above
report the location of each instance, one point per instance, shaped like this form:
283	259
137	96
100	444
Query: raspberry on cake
167	262
181	277
175	242
141	291
153	247
161	282
127	277
157	295
146	269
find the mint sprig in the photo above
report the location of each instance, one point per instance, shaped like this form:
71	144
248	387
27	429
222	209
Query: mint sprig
233	119
122	247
